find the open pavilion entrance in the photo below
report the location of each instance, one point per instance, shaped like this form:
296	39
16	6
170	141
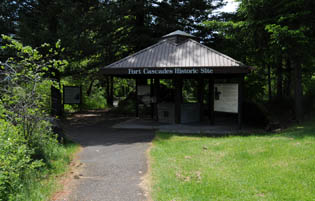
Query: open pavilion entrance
178	57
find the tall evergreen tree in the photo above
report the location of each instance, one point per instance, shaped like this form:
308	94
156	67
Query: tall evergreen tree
278	38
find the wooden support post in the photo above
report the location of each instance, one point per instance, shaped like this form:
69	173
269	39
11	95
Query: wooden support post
178	99
111	94
211	100
201	96
151	95
240	102
137	100
109	90
81	100
156	95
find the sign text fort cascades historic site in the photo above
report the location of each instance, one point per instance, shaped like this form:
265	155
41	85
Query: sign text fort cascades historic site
164	71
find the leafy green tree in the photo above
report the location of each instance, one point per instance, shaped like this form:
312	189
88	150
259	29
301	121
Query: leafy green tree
21	80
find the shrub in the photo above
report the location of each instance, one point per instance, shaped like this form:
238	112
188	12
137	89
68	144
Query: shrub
16	164
26	139
43	142
96	100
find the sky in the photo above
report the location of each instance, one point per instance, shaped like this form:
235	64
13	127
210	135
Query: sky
230	7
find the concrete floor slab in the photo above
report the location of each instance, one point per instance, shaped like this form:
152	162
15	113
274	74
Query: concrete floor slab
221	127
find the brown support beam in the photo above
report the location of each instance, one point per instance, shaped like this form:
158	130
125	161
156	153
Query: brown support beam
137	100
151	95
201	89
156	95
178	99
240	102
110	90
81	99
211	100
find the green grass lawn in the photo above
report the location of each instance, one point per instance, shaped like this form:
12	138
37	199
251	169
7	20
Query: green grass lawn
258	167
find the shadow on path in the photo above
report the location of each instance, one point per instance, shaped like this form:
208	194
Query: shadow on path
96	129
114	160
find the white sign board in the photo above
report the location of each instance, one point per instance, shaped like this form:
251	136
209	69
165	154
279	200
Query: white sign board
71	95
144	90
226	98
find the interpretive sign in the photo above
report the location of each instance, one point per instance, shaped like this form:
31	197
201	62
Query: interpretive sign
226	98
71	95
167	71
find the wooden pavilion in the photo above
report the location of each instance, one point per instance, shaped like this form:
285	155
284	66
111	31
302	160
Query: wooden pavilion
179	56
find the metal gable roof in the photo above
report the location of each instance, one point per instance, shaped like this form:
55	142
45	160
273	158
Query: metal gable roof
166	53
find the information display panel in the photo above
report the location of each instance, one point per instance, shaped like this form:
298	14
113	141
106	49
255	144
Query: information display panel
226	98
71	95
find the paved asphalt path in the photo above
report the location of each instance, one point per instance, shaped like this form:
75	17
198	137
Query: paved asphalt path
114	160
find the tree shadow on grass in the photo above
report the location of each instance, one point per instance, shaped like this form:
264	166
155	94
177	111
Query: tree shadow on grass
300	131
307	129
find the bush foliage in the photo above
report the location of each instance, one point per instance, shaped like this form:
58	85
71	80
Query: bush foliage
16	163
27	145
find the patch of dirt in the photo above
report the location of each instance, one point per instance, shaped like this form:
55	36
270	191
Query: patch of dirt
198	175
69	180
146	179
260	195
187	177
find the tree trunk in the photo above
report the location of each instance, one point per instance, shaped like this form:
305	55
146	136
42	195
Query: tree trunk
140	14
140	23
288	85
298	91
279	79
89	91
269	83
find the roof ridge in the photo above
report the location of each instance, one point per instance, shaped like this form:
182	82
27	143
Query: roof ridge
139	52
217	52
